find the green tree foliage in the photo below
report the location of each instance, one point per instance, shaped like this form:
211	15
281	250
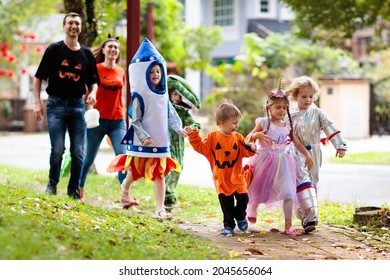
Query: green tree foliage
198	44
17	21
248	78
330	20
14	13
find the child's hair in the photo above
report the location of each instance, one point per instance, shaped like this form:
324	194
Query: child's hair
301	82
226	110
98	52
273	97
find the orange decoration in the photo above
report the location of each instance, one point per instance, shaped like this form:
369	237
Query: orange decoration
39	49
11	73
24	47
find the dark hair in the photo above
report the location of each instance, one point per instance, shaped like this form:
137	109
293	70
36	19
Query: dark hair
98	52
71	14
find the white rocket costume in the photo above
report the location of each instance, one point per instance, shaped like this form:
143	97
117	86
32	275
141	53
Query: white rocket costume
150	112
309	126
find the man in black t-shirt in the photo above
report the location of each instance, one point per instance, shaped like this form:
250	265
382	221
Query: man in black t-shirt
70	69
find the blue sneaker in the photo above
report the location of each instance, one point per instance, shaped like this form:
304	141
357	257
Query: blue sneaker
243	225
227	230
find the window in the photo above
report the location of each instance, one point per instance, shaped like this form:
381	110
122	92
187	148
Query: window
223	12
264	6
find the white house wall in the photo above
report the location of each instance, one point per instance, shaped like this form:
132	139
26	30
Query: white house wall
201	12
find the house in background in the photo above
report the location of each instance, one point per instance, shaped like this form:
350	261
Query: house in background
236	18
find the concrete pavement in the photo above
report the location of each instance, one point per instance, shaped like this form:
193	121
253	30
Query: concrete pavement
341	183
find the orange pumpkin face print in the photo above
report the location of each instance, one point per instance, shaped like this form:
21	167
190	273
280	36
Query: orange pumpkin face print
226	154
67	72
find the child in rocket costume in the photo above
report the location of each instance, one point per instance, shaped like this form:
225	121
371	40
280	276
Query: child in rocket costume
310	125
147	140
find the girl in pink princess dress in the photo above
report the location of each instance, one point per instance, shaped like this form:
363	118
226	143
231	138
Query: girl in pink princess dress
274	179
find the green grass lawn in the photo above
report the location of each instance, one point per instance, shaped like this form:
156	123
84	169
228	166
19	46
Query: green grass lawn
36	226
362	158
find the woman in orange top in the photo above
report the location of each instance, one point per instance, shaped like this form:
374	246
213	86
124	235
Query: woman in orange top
109	103
224	149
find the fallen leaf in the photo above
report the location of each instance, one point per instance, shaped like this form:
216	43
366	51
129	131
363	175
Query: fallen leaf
211	216
247	241
234	254
82	218
254	251
340	245
330	258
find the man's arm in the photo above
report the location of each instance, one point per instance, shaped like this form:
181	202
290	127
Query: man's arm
38	107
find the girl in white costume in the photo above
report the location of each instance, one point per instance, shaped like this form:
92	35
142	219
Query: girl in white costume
310	123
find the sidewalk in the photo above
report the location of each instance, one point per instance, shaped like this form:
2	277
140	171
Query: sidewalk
267	243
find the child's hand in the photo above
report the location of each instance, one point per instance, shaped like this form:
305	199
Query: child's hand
309	162
148	141
188	130
249	138
340	153
250	146
263	138
182	133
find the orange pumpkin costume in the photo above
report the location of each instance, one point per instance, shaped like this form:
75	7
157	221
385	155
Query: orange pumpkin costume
225	154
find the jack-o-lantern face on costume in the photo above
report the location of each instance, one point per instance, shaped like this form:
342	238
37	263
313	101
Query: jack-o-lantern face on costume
225	156
66	71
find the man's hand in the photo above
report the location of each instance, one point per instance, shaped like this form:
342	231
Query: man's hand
38	110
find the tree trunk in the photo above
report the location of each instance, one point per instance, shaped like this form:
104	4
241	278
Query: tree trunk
87	13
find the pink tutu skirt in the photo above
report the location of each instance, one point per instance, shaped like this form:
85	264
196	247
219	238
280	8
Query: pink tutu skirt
274	179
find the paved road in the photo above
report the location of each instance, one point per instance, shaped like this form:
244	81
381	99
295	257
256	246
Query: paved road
367	185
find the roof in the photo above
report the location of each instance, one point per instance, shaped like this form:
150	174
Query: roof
264	27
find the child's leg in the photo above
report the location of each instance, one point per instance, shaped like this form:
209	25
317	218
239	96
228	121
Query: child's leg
126	200
289	229
287	209
159	191
241	204
252	212
227	207
240	210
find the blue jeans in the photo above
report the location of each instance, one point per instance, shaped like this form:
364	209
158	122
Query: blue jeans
63	115
116	130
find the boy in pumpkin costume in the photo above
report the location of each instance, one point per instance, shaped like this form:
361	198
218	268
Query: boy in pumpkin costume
225	148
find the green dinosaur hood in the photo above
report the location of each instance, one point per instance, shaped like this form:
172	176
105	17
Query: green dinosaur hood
189	98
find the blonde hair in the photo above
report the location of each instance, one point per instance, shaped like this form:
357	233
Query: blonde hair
226	110
302	82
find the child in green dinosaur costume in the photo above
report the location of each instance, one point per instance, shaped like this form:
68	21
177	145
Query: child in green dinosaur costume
183	100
